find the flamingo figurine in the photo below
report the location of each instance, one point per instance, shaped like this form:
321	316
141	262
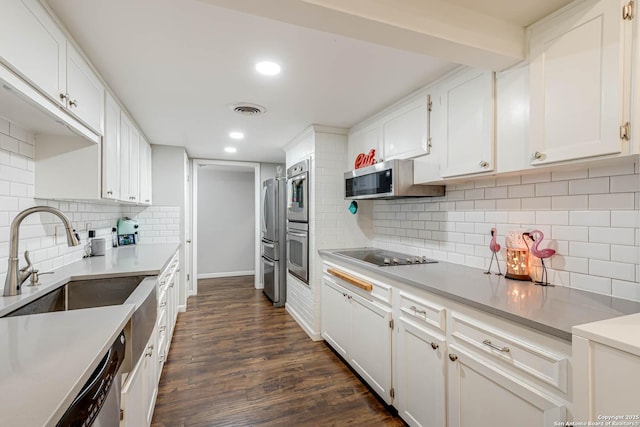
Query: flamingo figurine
537	236
494	247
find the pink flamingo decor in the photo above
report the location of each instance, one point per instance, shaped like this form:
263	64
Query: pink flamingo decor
537	236
494	247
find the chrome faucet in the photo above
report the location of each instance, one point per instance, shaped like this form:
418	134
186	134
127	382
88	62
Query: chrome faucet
15	275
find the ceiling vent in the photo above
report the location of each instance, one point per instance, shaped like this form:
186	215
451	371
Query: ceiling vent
249	109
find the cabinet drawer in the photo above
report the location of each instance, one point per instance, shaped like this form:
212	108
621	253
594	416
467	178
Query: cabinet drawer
358	283
524	356
422	311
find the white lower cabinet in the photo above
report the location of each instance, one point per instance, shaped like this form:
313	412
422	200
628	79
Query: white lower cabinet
359	329
140	388
481	394
138	396
421	379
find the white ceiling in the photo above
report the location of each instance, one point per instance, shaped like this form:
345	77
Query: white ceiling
178	65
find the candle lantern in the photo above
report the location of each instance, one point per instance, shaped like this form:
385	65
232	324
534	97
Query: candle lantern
517	259
517	264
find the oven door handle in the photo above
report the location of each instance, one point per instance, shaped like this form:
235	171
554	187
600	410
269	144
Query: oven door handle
266	261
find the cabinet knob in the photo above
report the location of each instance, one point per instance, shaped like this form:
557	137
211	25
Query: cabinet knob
73	103
453	357
63	96
537	155
484	164
110	193
434	346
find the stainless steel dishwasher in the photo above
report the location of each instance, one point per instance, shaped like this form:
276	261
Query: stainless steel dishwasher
98	403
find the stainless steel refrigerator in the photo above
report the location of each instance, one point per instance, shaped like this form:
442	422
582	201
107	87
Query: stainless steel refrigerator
273	245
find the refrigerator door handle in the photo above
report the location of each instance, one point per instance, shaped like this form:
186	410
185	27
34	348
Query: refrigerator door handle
264	209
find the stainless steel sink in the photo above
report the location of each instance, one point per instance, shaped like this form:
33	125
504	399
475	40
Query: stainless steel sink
80	294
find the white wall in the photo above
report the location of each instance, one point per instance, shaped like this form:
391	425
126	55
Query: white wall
226	222
590	216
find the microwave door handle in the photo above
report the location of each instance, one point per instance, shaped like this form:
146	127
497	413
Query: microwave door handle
303	235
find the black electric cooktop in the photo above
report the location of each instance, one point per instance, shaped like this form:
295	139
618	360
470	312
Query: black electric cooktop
383	258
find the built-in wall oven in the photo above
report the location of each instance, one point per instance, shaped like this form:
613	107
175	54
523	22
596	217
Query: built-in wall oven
298	192
298	250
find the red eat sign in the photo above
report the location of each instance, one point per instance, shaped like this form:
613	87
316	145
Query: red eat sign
364	160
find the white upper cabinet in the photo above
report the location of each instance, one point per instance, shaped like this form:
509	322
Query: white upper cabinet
111	150
579	68
125	157
33	45
134	173
145	171
405	130
85	94
363	141
467	120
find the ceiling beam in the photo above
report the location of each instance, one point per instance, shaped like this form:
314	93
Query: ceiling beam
432	27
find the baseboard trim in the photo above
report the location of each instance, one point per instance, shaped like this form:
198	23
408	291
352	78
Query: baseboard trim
182	308
315	336
226	274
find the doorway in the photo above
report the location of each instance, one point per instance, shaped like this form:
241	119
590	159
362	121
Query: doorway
226	220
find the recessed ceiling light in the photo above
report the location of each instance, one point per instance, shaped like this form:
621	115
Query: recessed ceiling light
268	68
236	135
230	149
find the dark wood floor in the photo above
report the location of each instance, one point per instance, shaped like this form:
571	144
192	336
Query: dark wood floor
236	360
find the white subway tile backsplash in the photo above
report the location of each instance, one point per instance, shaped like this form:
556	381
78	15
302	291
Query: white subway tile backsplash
625	218
508	204
571	264
589	186
4	126
527	190
508	180
626	168
612	269
572	233
591	218
612	235
590	250
496	193
627	290
570	202
536	203
522	217
477	193
601	285
569	175
9	144
612	201
627	254
535	178
556	188
625	183
552	217
484	205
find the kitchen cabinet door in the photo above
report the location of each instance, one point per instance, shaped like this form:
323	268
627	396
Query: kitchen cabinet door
405	131
140	388
85	93
145	171
479	394
33	45
336	316
467	120
134	173
362	141
421	382
578	90
125	157
111	150
369	349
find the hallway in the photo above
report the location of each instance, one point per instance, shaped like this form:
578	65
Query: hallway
237	361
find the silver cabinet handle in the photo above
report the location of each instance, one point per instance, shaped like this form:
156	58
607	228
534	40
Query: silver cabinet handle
495	347
483	164
149	351
434	346
453	357
73	103
163	328
537	155
110	193
64	96
417	310
163	304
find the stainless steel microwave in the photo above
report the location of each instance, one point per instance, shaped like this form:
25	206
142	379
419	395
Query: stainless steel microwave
387	180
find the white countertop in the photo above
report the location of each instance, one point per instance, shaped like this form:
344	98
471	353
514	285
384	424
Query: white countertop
550	309
134	260
45	359
622	333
